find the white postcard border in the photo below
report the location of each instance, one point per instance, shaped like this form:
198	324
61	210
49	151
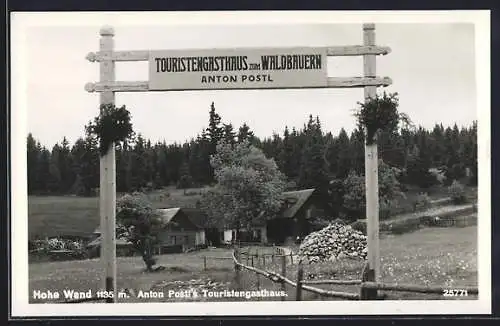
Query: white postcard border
19	215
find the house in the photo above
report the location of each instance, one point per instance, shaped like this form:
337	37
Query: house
180	229
183	229
200	218
257	233
294	219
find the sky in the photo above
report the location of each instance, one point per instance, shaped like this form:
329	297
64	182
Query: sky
432	66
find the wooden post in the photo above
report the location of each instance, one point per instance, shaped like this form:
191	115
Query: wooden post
283	272
371	164
237	268
107	190
258	284
204	263
291	258
300	275
367	276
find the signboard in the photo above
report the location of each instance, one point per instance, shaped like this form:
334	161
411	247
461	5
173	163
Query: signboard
238	69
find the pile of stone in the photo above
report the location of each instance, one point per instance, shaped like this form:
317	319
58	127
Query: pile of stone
334	242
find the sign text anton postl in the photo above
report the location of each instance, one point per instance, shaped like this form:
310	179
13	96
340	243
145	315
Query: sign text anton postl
237	69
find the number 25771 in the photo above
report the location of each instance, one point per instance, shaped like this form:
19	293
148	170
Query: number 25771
455	293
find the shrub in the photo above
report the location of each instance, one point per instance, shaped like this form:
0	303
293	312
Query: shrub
422	202
320	222
457	192
359	225
354	202
190	193
404	226
50	249
185	182
354	198
387	208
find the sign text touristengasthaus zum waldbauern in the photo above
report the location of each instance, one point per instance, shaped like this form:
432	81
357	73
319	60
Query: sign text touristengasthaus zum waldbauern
237	69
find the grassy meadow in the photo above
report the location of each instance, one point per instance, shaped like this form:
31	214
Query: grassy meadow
430	256
50	216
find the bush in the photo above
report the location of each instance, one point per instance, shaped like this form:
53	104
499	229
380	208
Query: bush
354	198
457	192
422	202
55	249
359	225
387	208
185	182
418	173
403	226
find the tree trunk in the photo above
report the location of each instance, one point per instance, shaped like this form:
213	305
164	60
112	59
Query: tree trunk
147	256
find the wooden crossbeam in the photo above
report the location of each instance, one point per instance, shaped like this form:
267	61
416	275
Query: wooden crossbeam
143	86
335	51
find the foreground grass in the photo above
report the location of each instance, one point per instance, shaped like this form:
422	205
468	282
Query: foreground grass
437	256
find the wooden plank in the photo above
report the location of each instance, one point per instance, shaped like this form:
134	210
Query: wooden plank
334	294
279	278
142	86
335	51
334	282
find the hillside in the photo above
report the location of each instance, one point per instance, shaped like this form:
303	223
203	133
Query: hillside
50	216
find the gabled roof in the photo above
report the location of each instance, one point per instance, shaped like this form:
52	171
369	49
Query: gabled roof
167	214
295	200
197	216
97	242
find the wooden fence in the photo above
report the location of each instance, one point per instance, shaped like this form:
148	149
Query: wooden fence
368	290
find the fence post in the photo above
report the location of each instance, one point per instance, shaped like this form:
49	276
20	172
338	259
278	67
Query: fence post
237	268
368	275
258	285
283	272
300	275
204	263
291	257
